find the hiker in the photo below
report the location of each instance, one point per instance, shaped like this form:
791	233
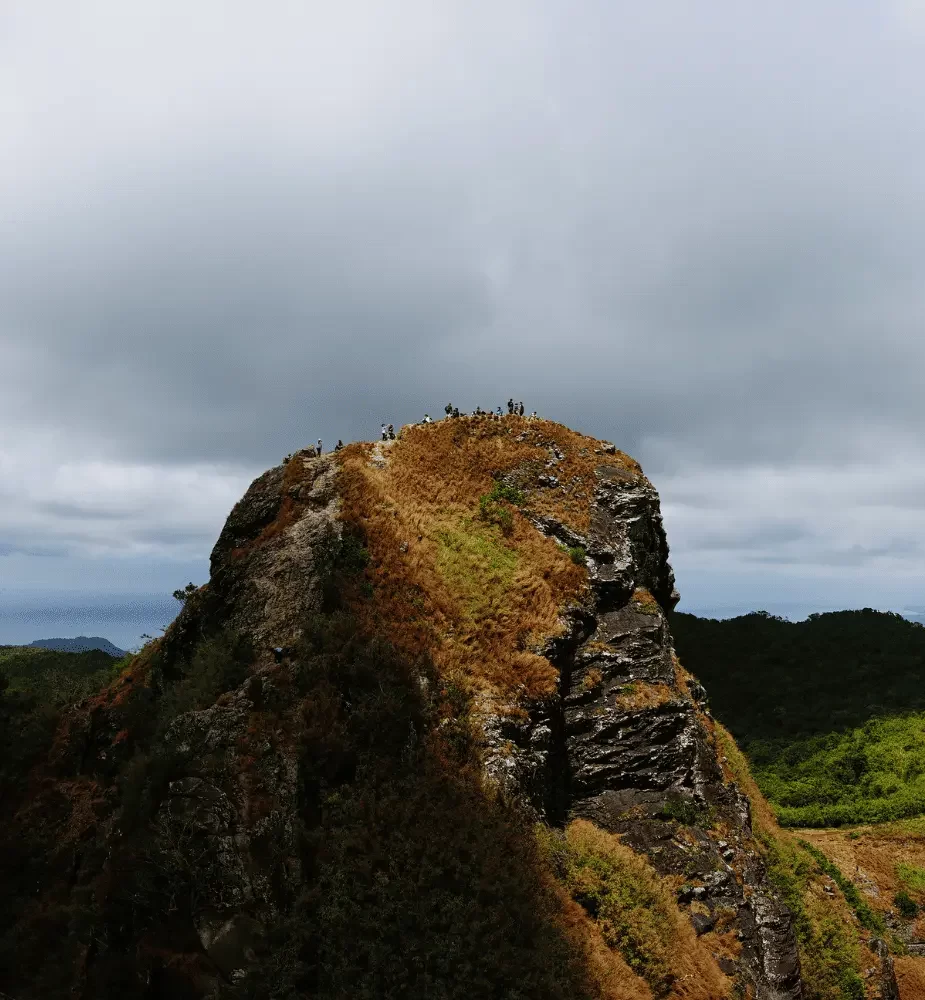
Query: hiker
278	653
455	411
385	433
510	406
339	445
391	433
498	411
448	409
427	419
533	415
521	409
319	446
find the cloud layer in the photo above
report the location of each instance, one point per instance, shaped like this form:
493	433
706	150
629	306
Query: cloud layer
229	229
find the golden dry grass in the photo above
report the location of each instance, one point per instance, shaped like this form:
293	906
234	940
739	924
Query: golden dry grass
638	908
870	858
645	602
910	977
643	694
477	600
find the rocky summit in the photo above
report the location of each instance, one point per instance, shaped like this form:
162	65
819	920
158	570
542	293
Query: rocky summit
423	734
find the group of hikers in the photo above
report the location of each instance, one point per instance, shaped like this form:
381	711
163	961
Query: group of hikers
318	450
513	410
388	430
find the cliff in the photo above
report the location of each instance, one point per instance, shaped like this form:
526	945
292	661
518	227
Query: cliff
478	768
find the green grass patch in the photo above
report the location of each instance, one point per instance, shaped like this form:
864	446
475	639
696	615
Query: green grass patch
478	567
577	553
493	506
911	876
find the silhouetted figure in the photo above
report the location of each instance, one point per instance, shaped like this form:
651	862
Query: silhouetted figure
339	445
455	411
521	409
427	419
319	446
510	406
391	433
448	409
385	433
278	652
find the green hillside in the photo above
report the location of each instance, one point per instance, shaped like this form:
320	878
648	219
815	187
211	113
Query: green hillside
830	711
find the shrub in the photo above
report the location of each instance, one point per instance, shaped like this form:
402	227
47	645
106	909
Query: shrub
353	556
906	905
495	513
683	810
502	492
187	591
577	554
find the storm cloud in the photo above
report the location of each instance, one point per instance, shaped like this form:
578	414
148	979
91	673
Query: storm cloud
227	229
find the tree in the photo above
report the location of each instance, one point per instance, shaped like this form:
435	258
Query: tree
188	591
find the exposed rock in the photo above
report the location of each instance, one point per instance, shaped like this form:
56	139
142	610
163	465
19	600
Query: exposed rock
642	768
886	986
268	590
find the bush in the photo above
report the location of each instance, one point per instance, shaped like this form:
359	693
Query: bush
187	591
496	513
492	505
353	556
683	810
501	492
906	905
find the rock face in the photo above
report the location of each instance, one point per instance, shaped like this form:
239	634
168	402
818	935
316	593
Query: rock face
266	591
627	742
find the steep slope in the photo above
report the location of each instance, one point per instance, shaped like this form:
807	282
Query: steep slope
477	770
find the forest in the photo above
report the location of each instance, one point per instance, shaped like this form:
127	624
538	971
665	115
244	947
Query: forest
830	711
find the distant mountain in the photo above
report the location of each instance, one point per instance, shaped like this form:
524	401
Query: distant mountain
80	645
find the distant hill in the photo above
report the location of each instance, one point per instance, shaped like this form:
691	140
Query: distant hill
80	645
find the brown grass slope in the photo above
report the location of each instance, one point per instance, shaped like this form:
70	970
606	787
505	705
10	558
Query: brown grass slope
480	599
448	581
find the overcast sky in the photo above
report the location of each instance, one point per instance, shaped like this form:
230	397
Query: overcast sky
697	230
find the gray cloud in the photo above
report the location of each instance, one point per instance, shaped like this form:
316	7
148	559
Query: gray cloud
698	233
